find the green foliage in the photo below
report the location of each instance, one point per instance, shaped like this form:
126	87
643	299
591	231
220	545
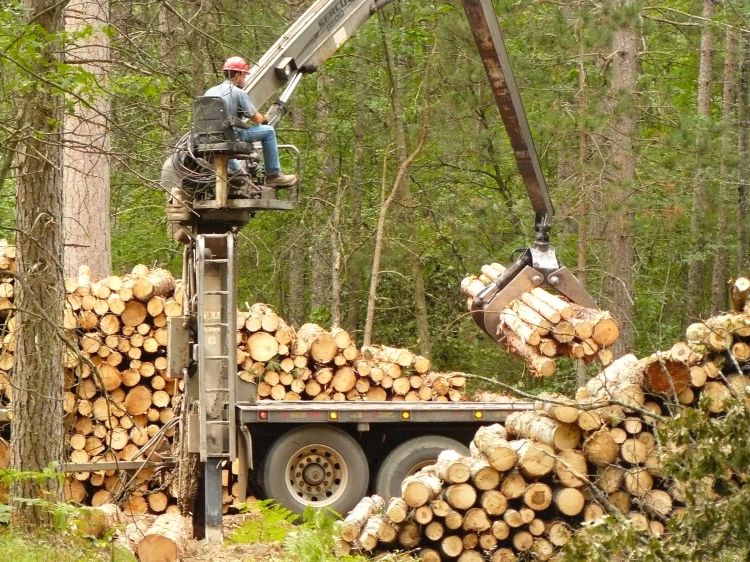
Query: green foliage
5	513
270	522
709	462
60	547
313	539
69	542
466	203
60	511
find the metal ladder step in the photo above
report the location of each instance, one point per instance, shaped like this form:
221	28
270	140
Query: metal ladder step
216	312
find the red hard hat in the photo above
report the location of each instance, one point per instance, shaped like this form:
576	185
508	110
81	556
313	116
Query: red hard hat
237	64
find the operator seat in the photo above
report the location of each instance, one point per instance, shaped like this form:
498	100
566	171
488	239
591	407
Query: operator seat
213	130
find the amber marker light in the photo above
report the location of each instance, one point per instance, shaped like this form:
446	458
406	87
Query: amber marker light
479	414
333	415
405	415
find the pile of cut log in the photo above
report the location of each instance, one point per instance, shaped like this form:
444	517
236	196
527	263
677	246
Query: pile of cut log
118	397
528	486
540	326
7	322
121	404
312	363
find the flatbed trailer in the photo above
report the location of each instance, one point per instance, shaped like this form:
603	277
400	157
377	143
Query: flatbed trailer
333	453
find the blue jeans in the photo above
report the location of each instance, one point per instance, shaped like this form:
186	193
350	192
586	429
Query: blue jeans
267	137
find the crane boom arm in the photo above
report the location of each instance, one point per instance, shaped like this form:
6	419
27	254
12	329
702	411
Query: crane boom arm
311	40
318	33
494	55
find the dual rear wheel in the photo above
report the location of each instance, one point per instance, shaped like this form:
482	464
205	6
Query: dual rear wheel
323	466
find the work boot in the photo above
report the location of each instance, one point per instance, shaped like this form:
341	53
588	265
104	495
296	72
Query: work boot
281	180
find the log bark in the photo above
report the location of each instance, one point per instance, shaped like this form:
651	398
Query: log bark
368	538
397	510
490	443
452	467
534	426
320	343
483	475
557	406
600	448
540	365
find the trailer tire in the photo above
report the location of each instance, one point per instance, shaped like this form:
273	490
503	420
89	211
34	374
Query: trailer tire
408	458
317	466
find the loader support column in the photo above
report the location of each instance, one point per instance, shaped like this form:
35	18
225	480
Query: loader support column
207	515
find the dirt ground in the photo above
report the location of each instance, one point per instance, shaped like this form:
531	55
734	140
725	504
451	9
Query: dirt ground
204	551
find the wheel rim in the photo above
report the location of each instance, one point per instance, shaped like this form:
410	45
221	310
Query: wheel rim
316	475
419	466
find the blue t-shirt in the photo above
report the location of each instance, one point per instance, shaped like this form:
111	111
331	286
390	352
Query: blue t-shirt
237	101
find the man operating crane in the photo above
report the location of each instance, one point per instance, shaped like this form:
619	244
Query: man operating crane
239	107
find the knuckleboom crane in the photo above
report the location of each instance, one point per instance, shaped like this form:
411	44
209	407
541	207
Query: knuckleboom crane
202	341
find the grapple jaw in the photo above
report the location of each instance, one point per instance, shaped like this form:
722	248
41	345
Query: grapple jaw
537	267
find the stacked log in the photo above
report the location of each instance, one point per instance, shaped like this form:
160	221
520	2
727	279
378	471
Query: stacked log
119	398
313	363
7	322
526	487
540	326
504	499
535	481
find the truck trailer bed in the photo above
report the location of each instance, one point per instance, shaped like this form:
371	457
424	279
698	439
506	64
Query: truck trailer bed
273	411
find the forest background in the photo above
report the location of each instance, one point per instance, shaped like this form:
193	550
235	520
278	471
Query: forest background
639	113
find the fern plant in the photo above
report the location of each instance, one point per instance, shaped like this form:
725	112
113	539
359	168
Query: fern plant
313	539
270	522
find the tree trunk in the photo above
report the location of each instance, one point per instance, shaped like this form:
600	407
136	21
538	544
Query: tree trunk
37	427
297	260
405	197
86	147
168	32
621	140
743	114
320	245
379	236
583	210
355	274
335	233
696	269
720	274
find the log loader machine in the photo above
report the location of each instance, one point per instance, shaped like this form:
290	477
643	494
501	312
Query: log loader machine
315	453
